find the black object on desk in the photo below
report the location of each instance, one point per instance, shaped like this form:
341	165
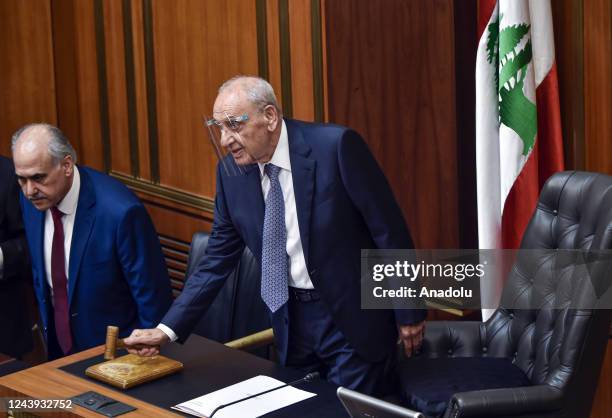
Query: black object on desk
211	366
102	404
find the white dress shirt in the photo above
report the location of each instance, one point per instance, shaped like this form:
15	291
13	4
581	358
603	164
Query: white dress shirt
298	276
68	206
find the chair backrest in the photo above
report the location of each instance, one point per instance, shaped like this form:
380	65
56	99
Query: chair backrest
551	339
237	310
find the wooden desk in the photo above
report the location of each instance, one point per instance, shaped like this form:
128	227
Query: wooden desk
208	366
47	381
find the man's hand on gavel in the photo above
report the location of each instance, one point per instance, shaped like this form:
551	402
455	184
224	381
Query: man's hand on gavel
145	342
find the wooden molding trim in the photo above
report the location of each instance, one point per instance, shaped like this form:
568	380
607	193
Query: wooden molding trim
130	84
151	90
440	306
181	197
317	60
102	83
262	39
285	55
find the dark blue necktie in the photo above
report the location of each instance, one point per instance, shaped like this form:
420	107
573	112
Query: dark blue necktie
274	271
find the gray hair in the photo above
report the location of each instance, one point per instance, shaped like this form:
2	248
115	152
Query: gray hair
59	146
257	90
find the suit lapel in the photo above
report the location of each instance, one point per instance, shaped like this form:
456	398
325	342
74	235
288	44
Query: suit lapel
303	173
38	241
254	204
83	222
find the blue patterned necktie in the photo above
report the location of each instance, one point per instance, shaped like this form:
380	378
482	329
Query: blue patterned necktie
274	271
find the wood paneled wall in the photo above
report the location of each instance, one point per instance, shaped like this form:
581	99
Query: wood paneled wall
583	38
77	85
27	85
134	78
129	82
598	85
391	77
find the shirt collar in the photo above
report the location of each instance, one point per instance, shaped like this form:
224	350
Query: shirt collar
69	203
280	158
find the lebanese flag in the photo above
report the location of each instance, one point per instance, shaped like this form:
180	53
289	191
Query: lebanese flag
518	125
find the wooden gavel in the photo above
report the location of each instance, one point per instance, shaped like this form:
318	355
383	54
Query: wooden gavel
112	342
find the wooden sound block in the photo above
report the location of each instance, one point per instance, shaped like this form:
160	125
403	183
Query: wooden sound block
131	370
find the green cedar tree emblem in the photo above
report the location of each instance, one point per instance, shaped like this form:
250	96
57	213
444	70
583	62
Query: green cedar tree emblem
515	110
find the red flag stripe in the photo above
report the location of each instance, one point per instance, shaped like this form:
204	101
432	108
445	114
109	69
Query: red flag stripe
485	10
550	136
545	160
521	202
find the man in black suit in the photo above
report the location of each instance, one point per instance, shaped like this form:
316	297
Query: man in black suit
15	331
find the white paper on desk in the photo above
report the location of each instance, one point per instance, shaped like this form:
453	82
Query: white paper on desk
252	408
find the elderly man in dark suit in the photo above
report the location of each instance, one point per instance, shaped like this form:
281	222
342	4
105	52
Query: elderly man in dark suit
15	327
311	197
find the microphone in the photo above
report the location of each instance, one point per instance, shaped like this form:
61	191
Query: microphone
308	378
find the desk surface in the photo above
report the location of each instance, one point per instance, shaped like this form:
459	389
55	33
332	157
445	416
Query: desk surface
208	366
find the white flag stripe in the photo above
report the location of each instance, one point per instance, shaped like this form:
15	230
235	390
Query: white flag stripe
511	162
487	149
488	192
542	38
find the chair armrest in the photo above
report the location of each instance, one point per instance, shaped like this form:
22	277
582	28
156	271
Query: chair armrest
505	402
453	338
259	339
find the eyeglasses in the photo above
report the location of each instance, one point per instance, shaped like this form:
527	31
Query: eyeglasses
231	123
231	126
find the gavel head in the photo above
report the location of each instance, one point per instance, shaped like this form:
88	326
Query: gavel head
110	349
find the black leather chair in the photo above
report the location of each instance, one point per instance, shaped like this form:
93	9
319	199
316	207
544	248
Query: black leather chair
238	310
545	361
